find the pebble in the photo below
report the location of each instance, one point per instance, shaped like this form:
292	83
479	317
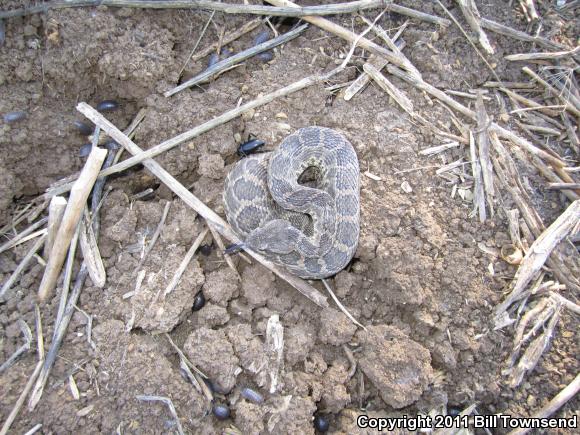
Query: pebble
83	128
248	114
222	412
11	117
406	187
107	106
199	301
252	396
321	424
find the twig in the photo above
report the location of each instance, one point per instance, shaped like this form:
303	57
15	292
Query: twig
169	404
539	252
193	202
351	360
55	213
553	91
236	59
478	194
184	263
553	405
532	105
21	237
560	186
220	243
530	10
522	36
10	281
274	348
346	34
39	335
90	250
34	429
403	101
342	307
469	40
538	56
575	308
156	235
483	148
27	334
473	18
16	409
418	15
196	44
226	8
66	280
77	200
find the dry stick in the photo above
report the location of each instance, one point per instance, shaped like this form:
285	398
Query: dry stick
156	235
549	174
393	46
169	404
344	8
55	213
540	251
522	36
216	236
478	194
342	307
483	148
417	14
34	429
504	133
66	279
570	129
191	200
473	18
184	263
12	416
196	44
569	106
206	126
22	235
537	56
362	80
78	197
90	250
6	286
228	38
22	349
562	186
236	59
553	405
532	105
405	103
346	34
469	40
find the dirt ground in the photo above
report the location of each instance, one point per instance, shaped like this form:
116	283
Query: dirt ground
419	282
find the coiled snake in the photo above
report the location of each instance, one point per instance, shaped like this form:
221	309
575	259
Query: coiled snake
298	206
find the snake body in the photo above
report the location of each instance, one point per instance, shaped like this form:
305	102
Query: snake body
299	205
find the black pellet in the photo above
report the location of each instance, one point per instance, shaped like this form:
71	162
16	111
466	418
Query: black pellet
222	412
250	147
198	301
107	106
262	37
83	128
321	424
205	250
252	396
85	150
11	117
266	56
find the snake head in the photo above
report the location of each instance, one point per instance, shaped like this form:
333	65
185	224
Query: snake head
276	237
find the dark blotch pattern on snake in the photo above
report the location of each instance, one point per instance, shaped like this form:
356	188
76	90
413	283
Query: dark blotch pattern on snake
299	205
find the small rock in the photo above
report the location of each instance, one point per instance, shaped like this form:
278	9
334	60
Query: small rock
248	114
406	187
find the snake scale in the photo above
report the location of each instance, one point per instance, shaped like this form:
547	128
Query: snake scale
299	205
